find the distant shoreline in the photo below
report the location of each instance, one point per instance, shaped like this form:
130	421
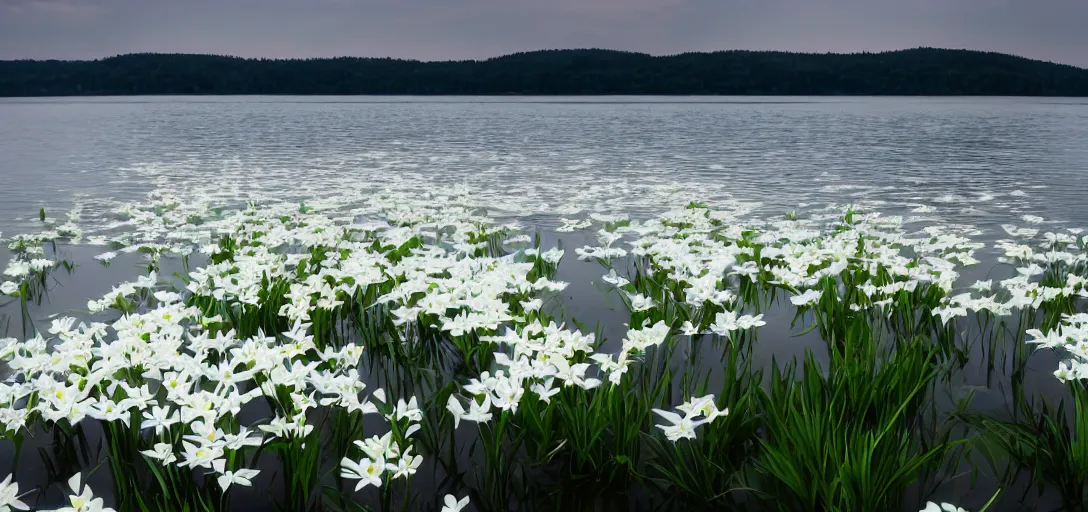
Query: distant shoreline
924	72
425	97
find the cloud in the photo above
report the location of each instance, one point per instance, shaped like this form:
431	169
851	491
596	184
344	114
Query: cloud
66	8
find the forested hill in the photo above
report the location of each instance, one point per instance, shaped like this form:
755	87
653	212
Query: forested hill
922	71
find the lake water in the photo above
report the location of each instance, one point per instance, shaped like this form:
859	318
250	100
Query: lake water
981	162
964	156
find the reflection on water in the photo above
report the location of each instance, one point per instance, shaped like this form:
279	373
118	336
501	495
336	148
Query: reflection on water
966	156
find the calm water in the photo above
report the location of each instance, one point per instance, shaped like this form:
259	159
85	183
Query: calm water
963	155
983	162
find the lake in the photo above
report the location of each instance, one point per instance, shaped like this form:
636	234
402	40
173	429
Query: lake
972	165
964	156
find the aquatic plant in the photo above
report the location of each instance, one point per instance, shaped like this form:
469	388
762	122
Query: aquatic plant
344	345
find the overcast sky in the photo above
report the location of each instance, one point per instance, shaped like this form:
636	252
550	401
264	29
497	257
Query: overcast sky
458	29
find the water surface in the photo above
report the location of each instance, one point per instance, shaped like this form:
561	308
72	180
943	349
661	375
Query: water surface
964	156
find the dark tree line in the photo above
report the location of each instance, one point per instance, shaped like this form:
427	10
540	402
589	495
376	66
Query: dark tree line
922	71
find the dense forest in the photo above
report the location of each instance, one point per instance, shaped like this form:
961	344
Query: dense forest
922	71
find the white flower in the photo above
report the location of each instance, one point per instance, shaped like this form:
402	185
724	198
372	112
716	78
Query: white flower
456	409
641	339
479	412
807	298
943	507
406	465
241	477
949	312
452	504
552	256
9	496
200	456
983	286
106	256
17	268
531	305
84	501
615	280
750	322
687	329
159	418
1064	373
640	302
681	427
724	323
163	452
366	471
9	288
41	264
408	410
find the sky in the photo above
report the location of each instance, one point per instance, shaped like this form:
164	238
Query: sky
1055	30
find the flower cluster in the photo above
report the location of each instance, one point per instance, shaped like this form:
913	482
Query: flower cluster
697	411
